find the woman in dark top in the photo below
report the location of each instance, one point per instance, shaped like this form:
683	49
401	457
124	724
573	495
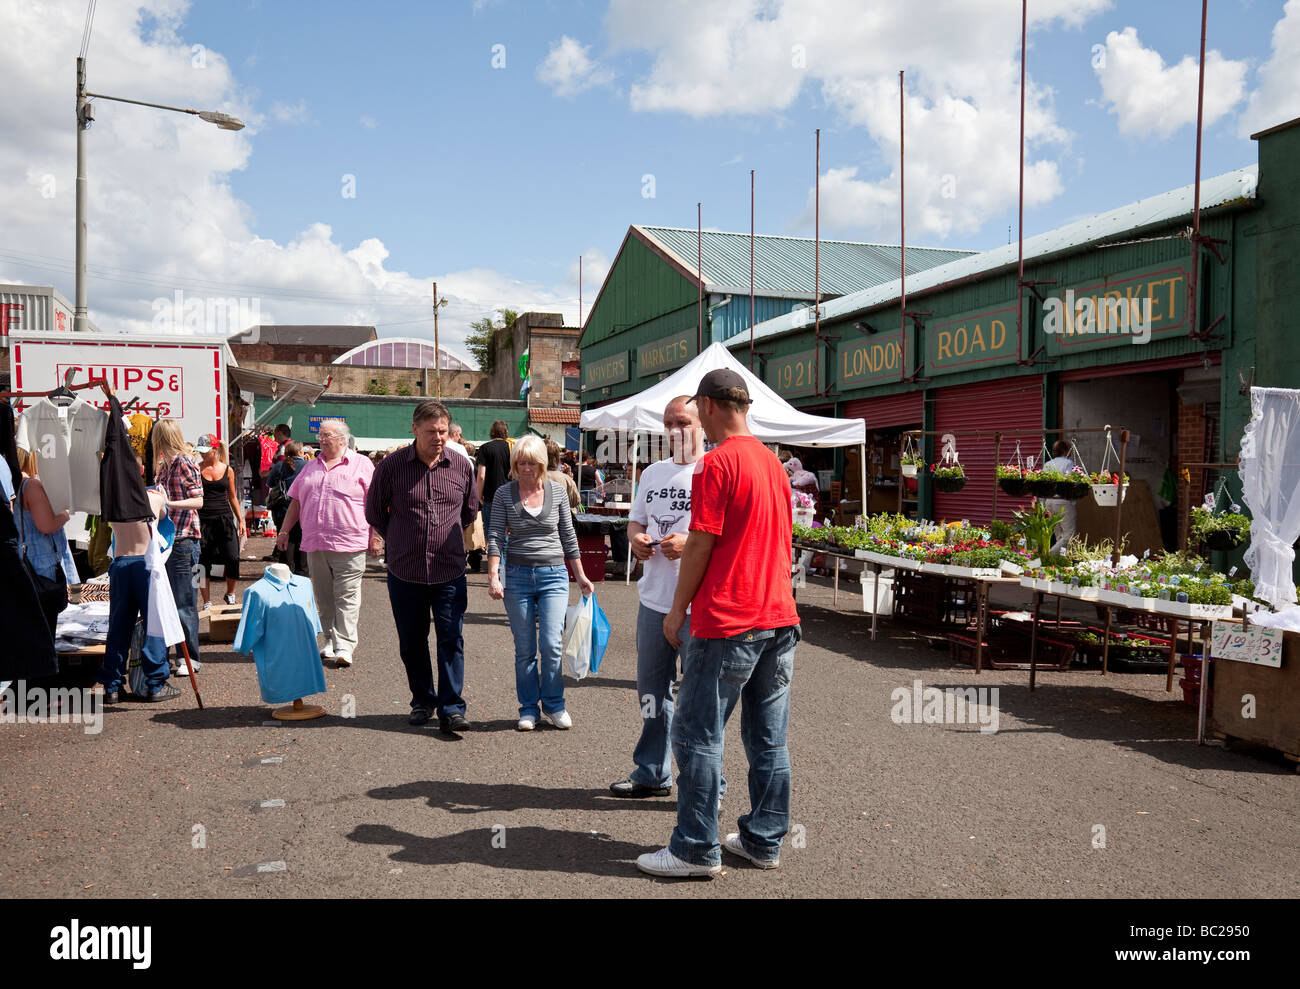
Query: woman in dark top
221	523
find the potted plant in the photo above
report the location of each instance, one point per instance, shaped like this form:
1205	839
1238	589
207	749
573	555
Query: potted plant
1107	488
1224	531
1011	479
948	476
1037	524
1073	485
1042	483
911	463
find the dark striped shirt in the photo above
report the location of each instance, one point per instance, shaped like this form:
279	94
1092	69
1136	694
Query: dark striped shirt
422	512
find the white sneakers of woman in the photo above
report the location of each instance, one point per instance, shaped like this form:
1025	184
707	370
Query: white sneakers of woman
327	652
343	659
560	719
526	724
230	599
183	671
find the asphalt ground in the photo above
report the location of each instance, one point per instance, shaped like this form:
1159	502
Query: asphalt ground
170	801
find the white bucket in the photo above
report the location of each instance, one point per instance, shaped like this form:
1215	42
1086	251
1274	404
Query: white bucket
884	588
1109	495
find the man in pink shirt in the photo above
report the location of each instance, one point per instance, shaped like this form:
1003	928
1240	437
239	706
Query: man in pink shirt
328	500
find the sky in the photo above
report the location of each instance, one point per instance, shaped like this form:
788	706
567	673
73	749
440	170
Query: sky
488	144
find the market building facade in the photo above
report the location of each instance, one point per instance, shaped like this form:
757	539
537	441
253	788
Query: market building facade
1113	327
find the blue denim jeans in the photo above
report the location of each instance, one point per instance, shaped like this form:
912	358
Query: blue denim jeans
180	574
536	599
756	668
128	600
656	671
413	607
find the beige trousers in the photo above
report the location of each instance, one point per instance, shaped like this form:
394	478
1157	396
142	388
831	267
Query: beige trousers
336	581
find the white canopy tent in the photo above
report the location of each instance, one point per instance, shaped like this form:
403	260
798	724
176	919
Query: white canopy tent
771	418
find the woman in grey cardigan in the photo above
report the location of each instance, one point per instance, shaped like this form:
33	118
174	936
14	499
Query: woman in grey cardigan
534	511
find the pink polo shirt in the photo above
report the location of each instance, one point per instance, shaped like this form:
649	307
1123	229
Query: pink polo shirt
332	504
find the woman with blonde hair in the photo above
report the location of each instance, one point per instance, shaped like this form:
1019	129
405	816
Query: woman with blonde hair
181	482
533	511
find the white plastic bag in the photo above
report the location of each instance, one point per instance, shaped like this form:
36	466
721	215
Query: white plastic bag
578	621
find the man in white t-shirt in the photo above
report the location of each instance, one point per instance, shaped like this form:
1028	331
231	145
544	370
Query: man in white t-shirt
456	443
1065	529
657	527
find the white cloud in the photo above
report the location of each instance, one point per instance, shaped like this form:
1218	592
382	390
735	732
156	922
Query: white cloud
1152	99
369	122
290	113
569	70
1277	99
161	213
715	57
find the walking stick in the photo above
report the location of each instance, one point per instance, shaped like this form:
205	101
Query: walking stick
189	665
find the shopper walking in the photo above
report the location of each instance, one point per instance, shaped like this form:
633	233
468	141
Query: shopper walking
221	521
1069	523
657	527
735	578
532	512
181	482
328	499
422	498
493	459
279	480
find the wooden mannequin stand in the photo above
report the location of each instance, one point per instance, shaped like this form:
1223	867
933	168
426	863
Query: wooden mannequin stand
298	711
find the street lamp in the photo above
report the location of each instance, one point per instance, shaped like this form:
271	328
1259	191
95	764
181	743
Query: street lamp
85	114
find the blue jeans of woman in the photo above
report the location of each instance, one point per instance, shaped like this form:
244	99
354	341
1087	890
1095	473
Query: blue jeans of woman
182	575
536	599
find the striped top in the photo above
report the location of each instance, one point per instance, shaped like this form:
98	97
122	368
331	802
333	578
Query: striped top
543	540
422	512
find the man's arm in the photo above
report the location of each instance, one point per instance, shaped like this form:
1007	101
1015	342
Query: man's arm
379	501
480	481
695	560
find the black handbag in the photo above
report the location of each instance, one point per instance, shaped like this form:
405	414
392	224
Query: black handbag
52	592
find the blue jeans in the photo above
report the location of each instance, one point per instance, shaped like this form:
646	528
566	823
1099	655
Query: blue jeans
536	598
128	600
656	670
413	604
755	667
180	574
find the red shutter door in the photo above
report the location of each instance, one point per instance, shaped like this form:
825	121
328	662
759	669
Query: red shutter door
1004	404
888	412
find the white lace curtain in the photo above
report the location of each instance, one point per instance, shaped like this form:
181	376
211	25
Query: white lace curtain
1270	475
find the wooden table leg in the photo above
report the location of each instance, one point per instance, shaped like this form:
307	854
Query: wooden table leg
1173	653
1059	601
981	612
1105	644
1033	639
836	564
875	598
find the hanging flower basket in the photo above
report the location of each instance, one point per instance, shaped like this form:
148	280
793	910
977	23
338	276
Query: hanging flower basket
1017	487
1223	540
1072	490
1110	494
909	470
1042	487
949	484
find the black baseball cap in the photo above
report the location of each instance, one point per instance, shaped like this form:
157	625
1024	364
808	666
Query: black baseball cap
718	382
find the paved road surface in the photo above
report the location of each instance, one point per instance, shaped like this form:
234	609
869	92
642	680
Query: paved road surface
374	807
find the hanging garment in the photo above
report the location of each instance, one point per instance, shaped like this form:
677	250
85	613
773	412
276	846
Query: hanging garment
268	446
28	651
8	448
138	429
101	535
122	491
67	445
163	622
278	627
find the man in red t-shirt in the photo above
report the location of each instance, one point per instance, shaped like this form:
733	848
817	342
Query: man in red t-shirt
735	577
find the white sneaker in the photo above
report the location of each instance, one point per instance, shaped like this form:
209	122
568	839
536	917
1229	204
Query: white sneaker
183	671
560	719
230	599
526	724
327	652
732	844
665	863
343	659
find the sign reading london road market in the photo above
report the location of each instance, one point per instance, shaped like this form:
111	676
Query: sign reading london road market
955	343
874	359
1131	307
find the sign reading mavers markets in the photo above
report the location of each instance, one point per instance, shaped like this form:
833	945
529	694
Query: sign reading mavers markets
665	354
608	371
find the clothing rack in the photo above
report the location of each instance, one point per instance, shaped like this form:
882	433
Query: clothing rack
67	386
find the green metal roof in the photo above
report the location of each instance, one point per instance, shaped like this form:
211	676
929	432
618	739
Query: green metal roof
784	266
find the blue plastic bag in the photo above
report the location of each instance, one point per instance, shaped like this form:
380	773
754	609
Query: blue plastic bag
600	630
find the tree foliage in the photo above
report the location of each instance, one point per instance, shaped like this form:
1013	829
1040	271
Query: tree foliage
482	333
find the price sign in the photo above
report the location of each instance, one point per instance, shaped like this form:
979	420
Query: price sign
1262	646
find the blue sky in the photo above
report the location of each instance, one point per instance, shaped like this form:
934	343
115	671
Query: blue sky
461	167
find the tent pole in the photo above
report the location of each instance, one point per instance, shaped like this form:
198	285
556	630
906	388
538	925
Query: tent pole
862	464
627	573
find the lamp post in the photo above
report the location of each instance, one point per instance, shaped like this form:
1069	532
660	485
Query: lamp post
85	114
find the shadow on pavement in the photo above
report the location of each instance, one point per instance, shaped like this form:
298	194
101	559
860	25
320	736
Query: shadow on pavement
529	849
458	797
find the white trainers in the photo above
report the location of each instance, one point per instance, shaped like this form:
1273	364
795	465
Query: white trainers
665	863
230	599
327	652
732	844
526	724
183	671
560	719
343	659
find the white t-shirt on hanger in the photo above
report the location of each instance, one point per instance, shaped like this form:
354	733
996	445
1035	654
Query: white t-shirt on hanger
68	444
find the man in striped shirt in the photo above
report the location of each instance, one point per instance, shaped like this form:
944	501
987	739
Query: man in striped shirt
420	500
